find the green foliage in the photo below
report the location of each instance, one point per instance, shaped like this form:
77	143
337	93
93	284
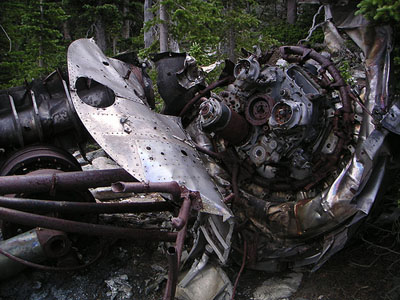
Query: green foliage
202	56
345	71
108	12
396	58
157	97
196	20
380	10
37	46
385	12
145	53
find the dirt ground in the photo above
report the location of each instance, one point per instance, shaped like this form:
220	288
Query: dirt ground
355	273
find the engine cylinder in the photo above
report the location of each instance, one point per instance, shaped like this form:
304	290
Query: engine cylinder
219	118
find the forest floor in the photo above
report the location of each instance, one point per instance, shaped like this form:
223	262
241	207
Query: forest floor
358	272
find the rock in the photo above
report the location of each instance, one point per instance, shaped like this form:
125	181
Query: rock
101	163
37	285
278	288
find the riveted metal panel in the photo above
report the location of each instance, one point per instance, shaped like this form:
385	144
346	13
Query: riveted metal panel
150	146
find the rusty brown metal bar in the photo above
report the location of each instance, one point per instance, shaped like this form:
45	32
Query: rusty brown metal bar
170	289
183	215
174	254
171	187
44	206
80	180
28	219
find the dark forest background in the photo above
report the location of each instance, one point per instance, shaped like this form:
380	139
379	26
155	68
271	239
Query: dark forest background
35	34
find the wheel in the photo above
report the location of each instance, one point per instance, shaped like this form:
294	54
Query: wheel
43	159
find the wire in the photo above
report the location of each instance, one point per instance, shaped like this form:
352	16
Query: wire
241	269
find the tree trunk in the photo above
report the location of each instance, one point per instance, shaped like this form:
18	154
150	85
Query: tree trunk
41	63
100	34
127	23
148	16
231	36
66	31
114	44
163	28
291	11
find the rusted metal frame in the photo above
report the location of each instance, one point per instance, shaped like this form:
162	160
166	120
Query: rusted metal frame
45	206
33	220
184	216
174	253
79	180
171	187
170	288
200	94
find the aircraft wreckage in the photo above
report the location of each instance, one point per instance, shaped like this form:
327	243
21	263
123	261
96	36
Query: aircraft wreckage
281	165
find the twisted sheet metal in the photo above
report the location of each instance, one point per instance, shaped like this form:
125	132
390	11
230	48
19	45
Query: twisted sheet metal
352	194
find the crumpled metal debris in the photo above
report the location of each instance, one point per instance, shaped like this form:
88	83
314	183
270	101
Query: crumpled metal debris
211	276
190	76
120	287
299	154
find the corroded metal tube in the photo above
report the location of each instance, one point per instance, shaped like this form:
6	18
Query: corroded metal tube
184	216
44	206
171	187
80	180
170	289
33	220
174	253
